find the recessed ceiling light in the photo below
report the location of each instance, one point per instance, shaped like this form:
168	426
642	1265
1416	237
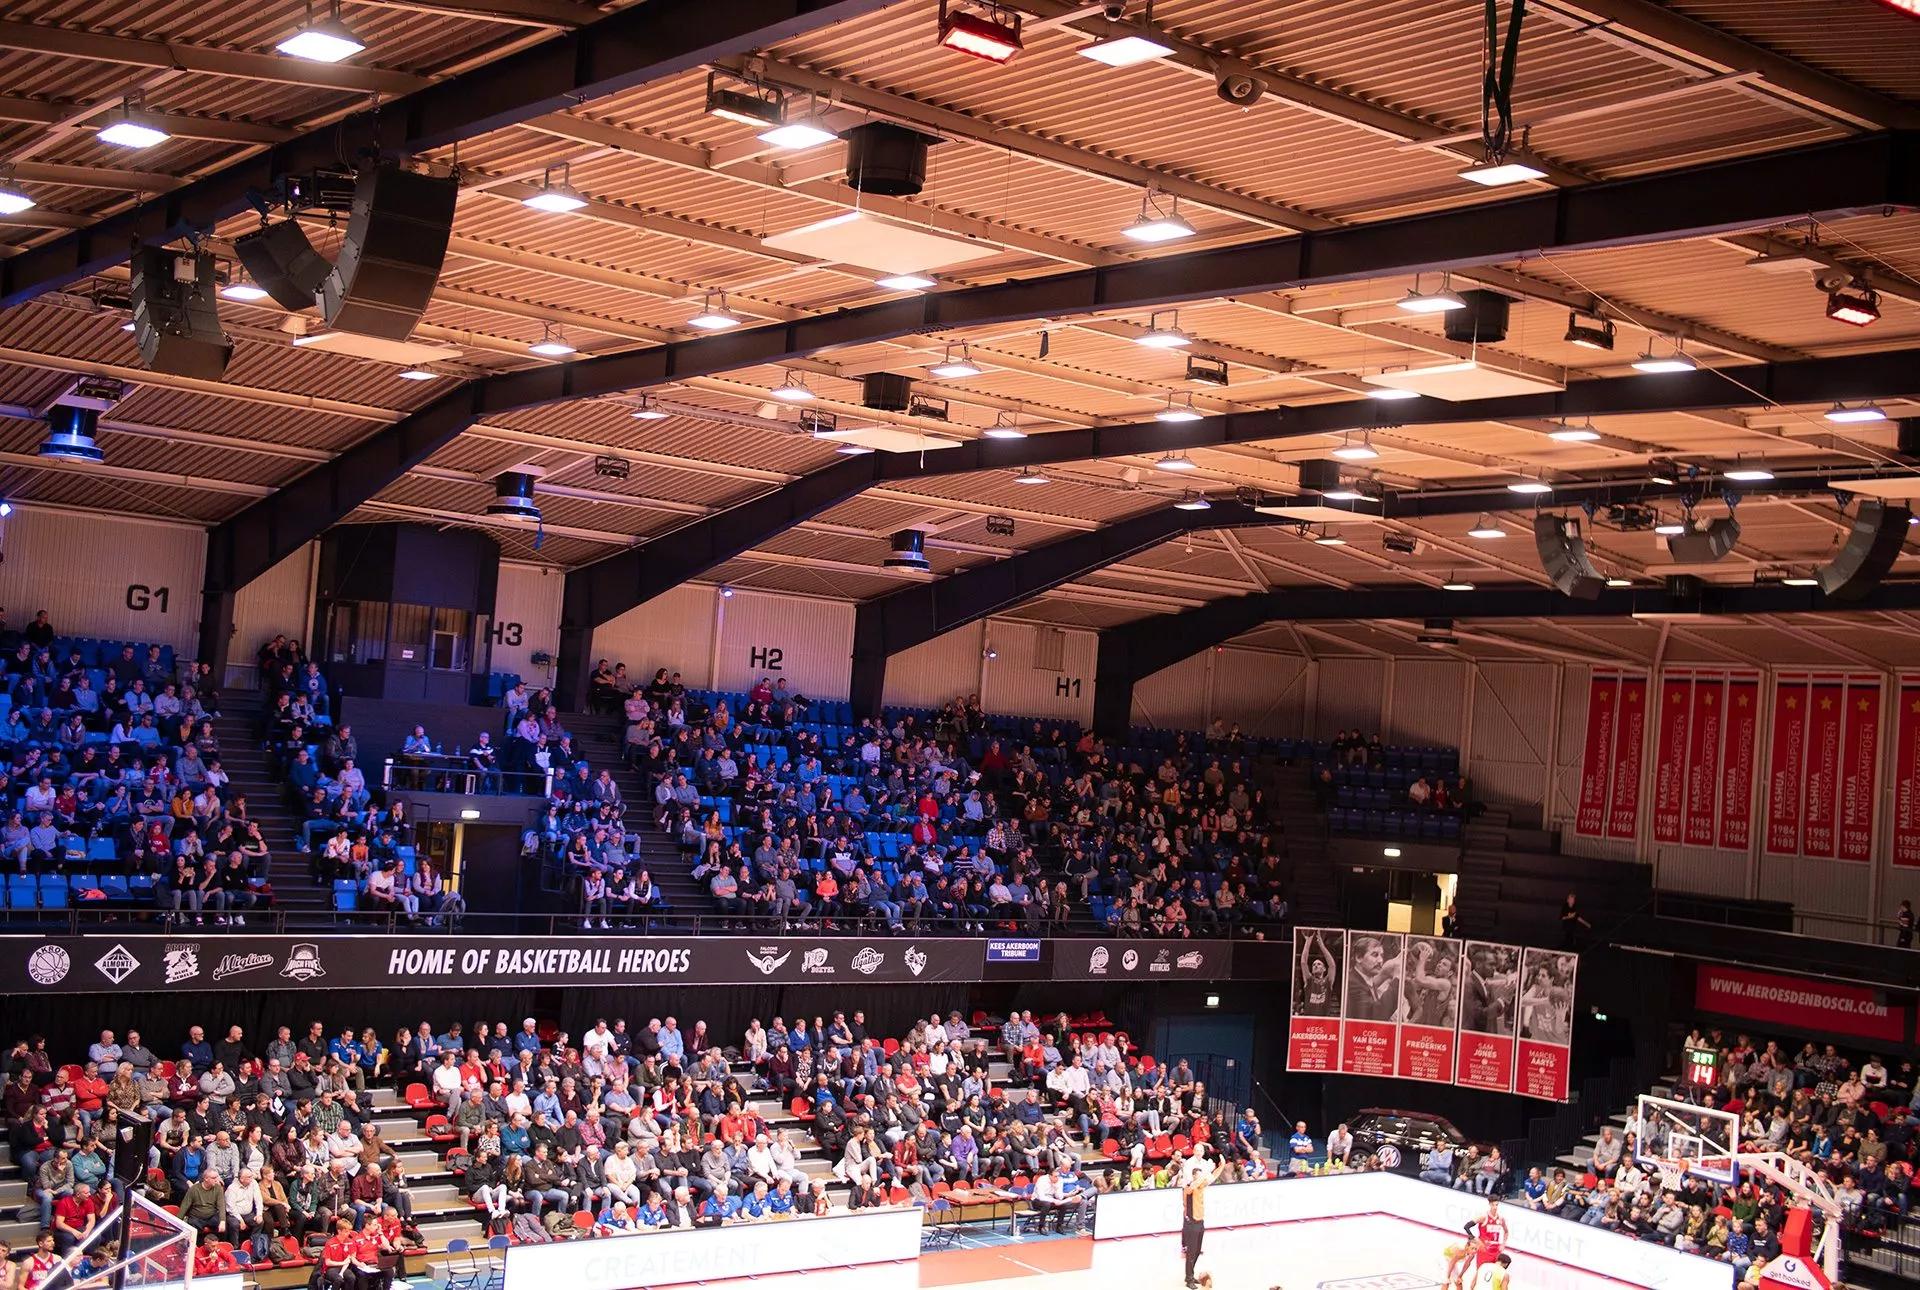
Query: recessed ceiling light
713	315
1749	474
1573	434
792	390
1528	487
1352	451
419	374
1125	51
1344	493
1167	336
1841	414
1193	502
1619	582
1657	364
1391	393
1030	477
555	198
1456	584
1500	172
905	282
241	289
13	201
648	412
951	368
1486	529
1329	538
1177	461
1417	301
327	40
127	132
853	450
801	132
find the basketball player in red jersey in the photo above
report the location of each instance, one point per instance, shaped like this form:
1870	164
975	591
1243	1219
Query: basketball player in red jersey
1491	1233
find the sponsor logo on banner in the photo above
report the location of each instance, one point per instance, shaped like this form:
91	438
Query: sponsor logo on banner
48	965
814	961
1097	961
868	960
1802	1003
1387	1157
1191	961
1129	960
767	960
1000	950
182	963
117	964
1162	962
303	962
240	964
915	958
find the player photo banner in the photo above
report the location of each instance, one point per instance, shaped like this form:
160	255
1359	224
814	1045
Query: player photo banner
1629	746
1670	758
1786	765
1545	1050
1906	776
1859	770
1489	1016
1596	758
1313	1033
1430	1009
1369	1030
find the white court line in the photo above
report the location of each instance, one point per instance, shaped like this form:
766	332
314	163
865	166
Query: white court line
1028	1266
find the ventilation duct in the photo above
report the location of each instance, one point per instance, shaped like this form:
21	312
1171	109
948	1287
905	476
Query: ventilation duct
1482	322
909	551
887	160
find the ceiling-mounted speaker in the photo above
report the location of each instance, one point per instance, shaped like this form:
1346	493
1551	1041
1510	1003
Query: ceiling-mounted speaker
70	432
1705	545
1879	532
513	496
887	160
886	391
176	313
282	260
1318	475
1482	322
1563	554
390	262
909	551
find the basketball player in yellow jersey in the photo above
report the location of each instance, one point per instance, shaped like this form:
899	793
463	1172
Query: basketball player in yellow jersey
1494	1275
1199	1175
1459	1257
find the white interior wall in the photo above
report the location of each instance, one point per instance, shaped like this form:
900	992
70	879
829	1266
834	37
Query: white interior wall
112	577
278	602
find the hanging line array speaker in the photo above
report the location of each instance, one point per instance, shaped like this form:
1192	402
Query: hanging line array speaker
281	259
1563	554
396	242
176	313
1879	531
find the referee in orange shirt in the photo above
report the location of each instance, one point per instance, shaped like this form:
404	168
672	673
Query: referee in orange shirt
1199	1175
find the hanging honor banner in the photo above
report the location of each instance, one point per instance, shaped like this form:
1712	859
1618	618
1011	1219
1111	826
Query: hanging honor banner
1738	754
1786	766
1370	1033
1703	759
1545	1057
1629	743
1670	758
1430	1017
1489	1015
1859	769
1313	1035
1906	776
1596	758
1825	709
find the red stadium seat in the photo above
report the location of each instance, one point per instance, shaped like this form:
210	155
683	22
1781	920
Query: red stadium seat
801	1110
890	1046
1110	1148
440	1129
419	1098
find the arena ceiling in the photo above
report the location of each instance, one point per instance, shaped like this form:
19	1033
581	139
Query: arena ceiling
1369	115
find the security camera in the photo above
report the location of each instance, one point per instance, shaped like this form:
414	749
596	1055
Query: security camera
1238	88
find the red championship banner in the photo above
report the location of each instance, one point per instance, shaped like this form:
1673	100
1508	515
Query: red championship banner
1859	769
1370	1032
1786	765
1703	758
1670	757
1826	701
1545	1059
1430	1018
1489	1016
1313	1034
1906	776
1799	1003
1596	758
1738	756
1629	742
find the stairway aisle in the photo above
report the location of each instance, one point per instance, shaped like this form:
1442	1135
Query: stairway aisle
302	901
600	740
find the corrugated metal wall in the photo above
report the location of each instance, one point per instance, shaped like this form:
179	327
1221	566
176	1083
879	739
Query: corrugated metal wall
674	631
1349	696
1014	685
1266	693
1513	728
278	602
102	575
1429	701
809	642
1175	698
526	619
946	667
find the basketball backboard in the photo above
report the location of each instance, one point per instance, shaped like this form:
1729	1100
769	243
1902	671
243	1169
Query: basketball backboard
1679	1137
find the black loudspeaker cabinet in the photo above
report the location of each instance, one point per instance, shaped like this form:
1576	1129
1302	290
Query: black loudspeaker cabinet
284	263
1563	554
1879	531
132	1136
176	322
396	242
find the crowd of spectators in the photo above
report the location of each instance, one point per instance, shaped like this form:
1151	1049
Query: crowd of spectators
795	816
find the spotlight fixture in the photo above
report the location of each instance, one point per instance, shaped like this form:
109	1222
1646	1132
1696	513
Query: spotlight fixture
648	411
1617	581
713	315
744	102
1573	434
132	128
1167	336
1327	537
726	593
1005	426
1500	170
1432	302
1855	304
419	374
1390	393
1031	477
1128	50
1202	370
992	33
1456	584
552	343
953	368
792	390
1178	461
327	40
1529	487
555	199
1755	473
1589	331
1659	364
6	509
13	201
1841	414
1486	529
905	282
1176	412
1156	225
1193	502
1361	451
